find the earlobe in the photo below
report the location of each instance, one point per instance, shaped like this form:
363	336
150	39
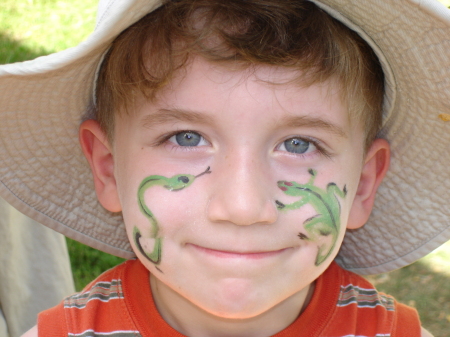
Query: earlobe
97	151
375	167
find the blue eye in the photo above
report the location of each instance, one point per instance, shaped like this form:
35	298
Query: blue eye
187	138
297	145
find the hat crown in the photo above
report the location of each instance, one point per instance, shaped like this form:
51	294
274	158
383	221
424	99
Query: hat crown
113	16
103	6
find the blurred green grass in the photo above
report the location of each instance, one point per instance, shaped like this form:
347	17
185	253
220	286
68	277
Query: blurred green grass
424	285
87	263
30	28
47	25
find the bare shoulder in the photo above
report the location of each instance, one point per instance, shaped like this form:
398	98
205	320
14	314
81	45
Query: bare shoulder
33	332
426	333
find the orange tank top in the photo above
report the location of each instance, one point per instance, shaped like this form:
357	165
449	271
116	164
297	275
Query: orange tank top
120	303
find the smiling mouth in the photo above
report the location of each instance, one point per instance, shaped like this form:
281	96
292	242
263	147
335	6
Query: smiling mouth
241	255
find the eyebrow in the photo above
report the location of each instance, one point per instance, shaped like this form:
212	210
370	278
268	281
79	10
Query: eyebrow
164	116
312	122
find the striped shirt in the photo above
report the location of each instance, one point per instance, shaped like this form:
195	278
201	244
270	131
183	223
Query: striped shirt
119	303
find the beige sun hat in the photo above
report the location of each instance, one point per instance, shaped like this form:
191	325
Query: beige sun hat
44	174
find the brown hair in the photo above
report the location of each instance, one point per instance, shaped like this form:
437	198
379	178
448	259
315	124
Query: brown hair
295	34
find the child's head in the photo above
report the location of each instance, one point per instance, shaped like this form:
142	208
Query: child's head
239	160
238	35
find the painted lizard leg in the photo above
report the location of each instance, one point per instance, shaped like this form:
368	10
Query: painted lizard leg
294	205
332	188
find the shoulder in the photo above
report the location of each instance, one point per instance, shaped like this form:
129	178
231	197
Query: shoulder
103	299
114	273
372	310
99	292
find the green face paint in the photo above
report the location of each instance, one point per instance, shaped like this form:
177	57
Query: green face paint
328	219
175	183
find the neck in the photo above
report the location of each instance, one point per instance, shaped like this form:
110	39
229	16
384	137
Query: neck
191	320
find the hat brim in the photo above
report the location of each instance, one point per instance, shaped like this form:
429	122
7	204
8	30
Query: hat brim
44	174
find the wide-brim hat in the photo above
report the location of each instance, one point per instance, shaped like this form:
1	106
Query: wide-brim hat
44	174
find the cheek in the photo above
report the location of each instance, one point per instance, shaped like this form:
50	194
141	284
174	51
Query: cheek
296	218
129	199
352	182
127	179
175	212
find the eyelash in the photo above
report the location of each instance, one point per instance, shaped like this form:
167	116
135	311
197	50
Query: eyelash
164	139
320	149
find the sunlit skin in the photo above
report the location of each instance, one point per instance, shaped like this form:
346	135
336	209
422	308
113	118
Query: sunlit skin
233	263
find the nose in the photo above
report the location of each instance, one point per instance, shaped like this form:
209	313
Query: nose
242	193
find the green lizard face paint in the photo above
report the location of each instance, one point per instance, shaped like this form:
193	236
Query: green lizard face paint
175	183
327	221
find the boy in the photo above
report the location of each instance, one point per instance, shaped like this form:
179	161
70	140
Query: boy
237	141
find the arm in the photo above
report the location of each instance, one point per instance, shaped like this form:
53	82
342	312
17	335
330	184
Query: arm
33	332
425	333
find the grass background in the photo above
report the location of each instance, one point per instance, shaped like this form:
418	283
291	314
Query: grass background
30	28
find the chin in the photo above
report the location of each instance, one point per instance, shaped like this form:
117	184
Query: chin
235	299
231	311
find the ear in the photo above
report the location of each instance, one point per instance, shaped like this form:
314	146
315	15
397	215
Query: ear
98	152
375	167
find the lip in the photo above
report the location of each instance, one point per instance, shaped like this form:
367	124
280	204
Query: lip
224	254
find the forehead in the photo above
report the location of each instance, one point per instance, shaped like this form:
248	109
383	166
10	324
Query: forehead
260	102
273	90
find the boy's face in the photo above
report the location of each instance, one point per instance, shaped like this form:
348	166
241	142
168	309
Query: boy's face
268	216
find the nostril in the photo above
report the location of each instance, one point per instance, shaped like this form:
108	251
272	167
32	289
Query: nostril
183	179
